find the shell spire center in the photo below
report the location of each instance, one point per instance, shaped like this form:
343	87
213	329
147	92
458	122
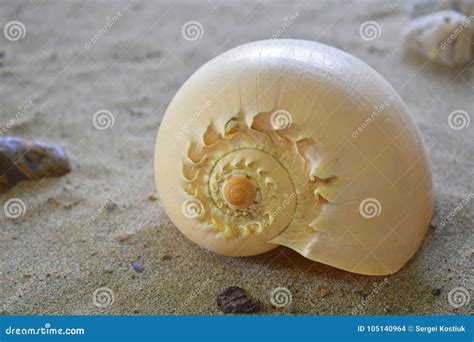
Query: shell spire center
239	191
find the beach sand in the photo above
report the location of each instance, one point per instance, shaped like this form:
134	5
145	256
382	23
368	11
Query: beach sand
55	256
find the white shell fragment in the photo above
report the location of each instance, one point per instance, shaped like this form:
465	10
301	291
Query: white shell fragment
295	143
444	37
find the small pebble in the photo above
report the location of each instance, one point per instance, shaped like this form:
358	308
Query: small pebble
111	206
122	237
152	198
323	292
29	160
437	291
137	266
235	300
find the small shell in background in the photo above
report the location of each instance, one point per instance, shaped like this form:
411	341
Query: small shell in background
467	8
419	8
29	160
444	37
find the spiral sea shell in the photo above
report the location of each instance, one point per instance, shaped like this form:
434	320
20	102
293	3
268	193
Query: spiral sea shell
294	143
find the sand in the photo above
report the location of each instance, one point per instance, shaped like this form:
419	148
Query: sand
55	256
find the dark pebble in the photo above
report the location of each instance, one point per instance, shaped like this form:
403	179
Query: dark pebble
137	266
235	300
437	291
361	293
29	160
111	206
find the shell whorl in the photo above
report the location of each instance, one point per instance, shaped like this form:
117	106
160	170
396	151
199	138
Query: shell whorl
261	152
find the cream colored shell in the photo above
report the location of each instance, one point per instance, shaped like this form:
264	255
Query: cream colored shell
340	169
